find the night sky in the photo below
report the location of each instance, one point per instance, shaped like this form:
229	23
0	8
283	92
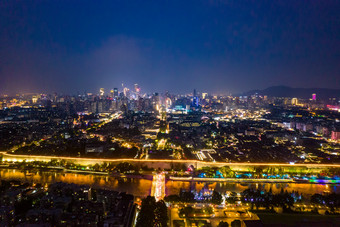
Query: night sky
213	46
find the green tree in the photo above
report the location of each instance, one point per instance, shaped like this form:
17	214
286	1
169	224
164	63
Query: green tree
172	198
187	196
161	214
236	223
124	167
227	172
216	198
223	224
146	217
96	167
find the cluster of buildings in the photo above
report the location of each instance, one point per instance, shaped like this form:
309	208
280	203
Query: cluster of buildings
63	204
237	129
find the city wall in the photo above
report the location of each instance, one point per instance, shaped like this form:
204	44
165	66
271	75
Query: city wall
170	164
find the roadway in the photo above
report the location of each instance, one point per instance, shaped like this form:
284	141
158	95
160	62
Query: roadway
10	157
158	186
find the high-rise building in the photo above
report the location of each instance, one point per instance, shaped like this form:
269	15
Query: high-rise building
115	92
156	101
314	97
34	99
335	135
204	95
195	99
112	93
168	103
101	92
137	88
294	101
126	92
100	107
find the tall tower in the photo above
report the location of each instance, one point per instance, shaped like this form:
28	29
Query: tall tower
126	92
137	91
115	92
314	97
101	92
195	99
294	101
137	88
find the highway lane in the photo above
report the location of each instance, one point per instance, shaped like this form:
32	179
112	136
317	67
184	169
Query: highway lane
15	157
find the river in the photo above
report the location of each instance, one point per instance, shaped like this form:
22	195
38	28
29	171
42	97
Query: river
142	187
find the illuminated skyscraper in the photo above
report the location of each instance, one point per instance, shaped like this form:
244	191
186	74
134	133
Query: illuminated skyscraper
294	101
195	99
34	99
101	92
137	88
204	95
112	93
115	92
168	103
126	92
156	101
314	96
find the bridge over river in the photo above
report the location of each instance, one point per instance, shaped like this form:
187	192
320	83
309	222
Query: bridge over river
158	186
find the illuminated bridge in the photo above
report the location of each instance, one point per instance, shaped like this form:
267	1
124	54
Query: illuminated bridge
158	186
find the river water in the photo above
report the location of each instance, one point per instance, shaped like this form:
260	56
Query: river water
142	187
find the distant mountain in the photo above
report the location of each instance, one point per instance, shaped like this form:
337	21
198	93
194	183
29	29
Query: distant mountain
305	93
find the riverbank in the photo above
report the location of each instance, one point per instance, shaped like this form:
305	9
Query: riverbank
149	175
235	180
142	186
253	180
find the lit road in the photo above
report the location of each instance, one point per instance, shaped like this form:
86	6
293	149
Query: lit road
111	118
14	157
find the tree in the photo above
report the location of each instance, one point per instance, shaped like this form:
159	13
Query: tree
227	172
124	167
146	217
152	213
236	223
187	196
216	198
161	214
223	224
317	199
96	167
172	198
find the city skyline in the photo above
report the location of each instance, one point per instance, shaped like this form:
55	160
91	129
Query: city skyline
207	113
217	46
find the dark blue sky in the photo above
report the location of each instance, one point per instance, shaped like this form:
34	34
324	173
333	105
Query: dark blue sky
214	46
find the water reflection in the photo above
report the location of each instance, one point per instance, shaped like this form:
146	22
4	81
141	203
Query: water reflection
142	187
138	187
